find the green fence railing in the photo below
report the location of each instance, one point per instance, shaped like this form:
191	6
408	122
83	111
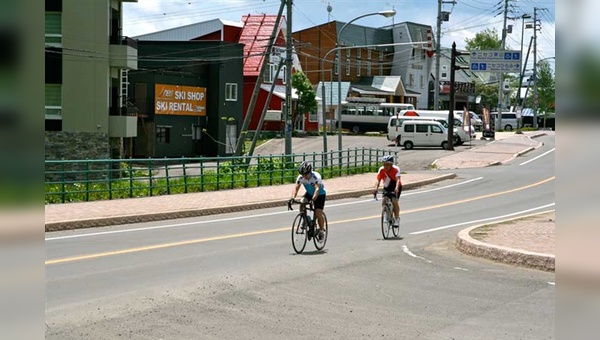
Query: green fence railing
106	179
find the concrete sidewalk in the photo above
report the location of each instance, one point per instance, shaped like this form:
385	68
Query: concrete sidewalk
505	148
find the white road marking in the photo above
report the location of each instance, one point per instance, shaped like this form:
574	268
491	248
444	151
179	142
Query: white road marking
552	283
441	188
407	251
232	218
483	220
459	268
542	155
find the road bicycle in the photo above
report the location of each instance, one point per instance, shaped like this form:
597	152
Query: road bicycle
387	215
306	227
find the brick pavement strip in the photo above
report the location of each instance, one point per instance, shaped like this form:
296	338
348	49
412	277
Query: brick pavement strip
524	241
146	209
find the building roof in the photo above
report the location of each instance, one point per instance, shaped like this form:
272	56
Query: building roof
383	85
279	91
331	91
357	35
255	35
189	32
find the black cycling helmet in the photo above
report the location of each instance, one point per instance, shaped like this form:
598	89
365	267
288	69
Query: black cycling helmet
387	159
305	168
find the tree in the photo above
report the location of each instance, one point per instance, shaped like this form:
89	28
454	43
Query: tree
485	40
546	87
307	102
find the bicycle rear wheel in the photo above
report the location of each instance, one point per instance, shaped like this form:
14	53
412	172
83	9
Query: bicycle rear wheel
321	244
299	233
386	222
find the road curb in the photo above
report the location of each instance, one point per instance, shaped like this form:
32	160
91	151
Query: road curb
126	219
468	245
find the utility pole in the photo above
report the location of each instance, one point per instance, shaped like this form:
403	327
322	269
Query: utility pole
501	75
438	37
288	81
442	16
246	123
535	92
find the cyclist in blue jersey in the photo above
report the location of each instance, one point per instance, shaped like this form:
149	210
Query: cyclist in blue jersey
315	191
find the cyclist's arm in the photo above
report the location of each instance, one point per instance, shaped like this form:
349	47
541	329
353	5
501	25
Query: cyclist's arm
377	182
295	191
317	190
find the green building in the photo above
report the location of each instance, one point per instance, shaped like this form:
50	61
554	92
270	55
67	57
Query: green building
188	98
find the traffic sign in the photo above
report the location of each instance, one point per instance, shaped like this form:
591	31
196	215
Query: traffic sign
496	61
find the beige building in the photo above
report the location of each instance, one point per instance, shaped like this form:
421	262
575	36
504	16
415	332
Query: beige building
87	113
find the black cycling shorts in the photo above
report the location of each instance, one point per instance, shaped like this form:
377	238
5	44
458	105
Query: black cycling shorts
319	203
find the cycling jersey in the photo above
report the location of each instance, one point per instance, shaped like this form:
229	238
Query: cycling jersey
309	184
389	178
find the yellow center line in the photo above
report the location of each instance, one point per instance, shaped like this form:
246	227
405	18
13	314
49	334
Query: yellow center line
253	233
161	246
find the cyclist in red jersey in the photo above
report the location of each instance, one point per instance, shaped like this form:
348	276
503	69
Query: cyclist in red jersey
390	175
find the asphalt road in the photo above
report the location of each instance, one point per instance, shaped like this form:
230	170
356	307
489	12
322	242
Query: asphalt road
409	160
236	275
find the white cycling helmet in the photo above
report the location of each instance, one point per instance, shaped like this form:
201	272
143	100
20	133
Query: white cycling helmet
387	159
305	168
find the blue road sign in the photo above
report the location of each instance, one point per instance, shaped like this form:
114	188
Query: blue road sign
496	61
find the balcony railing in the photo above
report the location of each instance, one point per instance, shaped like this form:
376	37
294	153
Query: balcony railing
125	41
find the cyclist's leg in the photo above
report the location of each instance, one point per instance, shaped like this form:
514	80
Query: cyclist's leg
396	204
319	204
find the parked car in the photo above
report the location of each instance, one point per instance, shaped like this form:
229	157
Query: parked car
509	120
423	133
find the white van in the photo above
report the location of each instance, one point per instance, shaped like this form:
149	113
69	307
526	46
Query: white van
460	134
395	127
423	133
509	120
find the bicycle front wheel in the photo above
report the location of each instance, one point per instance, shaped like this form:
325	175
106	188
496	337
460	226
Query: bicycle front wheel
386	222
320	244
396	231
299	233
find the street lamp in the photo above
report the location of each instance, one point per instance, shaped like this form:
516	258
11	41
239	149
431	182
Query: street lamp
387	14
323	95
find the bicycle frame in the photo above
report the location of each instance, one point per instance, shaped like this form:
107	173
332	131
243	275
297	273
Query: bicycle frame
387	214
302	226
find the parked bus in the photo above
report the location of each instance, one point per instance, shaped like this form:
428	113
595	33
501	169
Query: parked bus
364	117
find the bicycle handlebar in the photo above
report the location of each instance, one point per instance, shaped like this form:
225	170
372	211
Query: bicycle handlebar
384	193
291	201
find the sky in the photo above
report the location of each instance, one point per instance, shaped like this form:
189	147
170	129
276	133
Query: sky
467	17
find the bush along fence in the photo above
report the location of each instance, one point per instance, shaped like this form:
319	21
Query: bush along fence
107	179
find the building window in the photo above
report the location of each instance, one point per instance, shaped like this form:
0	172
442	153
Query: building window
335	66
369	54
163	134
348	53
270	74
358	67
421	81
347	66
53	102
282	75
444	74
368	68
53	30
231	90
358	53
380	69
411	80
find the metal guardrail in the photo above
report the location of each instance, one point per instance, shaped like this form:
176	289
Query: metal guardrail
107	179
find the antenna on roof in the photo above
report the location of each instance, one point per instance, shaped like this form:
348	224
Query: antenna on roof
329	9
